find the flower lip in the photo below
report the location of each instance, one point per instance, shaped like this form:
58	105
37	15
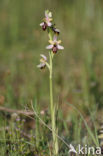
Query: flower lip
55	49
44	25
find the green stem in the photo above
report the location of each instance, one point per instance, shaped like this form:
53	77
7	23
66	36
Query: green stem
52	109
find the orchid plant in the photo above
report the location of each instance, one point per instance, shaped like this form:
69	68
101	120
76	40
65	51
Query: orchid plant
53	48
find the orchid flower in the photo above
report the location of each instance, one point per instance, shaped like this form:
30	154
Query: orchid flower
55	30
55	45
47	20
43	60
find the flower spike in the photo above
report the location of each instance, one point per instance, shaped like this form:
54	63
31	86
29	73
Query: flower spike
54	45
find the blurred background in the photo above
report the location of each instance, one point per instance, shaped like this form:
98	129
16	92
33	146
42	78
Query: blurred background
78	70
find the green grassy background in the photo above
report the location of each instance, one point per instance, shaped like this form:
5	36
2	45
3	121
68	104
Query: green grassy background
78	70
